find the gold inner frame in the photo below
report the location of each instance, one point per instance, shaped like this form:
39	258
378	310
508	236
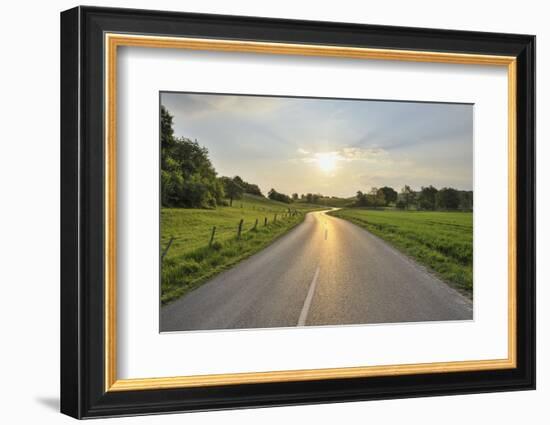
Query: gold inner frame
113	41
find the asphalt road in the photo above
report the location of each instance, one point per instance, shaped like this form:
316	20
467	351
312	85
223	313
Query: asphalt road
326	271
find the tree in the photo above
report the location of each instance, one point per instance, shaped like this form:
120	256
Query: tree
294	196
232	189
381	198
253	189
466	200
188	178
362	199
448	198
276	196
376	197
407	196
371	197
427	198
389	195
166	134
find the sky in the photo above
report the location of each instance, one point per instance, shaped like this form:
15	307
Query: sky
330	146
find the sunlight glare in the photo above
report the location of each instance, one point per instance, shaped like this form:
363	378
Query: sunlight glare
326	162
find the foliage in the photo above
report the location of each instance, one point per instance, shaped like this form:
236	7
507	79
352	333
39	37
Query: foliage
376	197
407	196
334	201
188	178
466	200
362	199
319	199
276	196
311	198
388	194
253	189
427	198
448	199
233	190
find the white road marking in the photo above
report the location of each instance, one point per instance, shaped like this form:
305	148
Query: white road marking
307	302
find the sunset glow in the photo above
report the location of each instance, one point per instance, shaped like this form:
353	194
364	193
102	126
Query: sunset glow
327	161
331	146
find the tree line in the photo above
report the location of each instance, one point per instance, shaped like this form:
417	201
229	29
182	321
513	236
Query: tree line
188	178
428	198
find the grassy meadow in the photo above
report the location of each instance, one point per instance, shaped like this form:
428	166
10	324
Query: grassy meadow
440	240
191	259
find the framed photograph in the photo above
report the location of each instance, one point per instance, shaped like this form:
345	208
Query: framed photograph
261	212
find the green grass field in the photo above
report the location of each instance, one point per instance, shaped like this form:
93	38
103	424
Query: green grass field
440	240
337	202
190	261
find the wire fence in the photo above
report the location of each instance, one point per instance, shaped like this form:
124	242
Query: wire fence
240	228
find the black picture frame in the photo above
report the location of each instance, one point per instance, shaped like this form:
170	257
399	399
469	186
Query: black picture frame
83	392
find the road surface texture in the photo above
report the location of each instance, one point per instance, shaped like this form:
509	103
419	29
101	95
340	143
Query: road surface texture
326	271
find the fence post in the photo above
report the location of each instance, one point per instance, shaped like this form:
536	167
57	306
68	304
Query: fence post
212	237
255	225
166	249
265	221
240	228
275	219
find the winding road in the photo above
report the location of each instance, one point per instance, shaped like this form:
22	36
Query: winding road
326	271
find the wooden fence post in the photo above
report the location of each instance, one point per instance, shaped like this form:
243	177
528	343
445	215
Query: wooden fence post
275	218
166	249
212	237
255	225
265	221
240	229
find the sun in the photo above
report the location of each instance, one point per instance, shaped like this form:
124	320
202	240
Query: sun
326	162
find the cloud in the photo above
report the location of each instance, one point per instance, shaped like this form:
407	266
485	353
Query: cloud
357	153
340	146
200	106
346	154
